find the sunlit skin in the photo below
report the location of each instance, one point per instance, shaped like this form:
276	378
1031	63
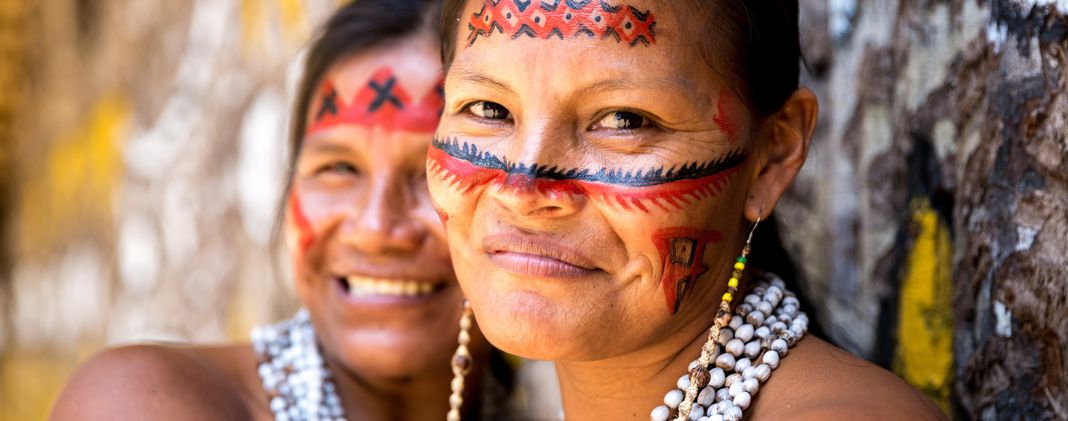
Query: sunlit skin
359	207
561	112
558	267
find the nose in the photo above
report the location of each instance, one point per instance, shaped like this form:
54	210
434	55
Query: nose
384	224
536	186
533	198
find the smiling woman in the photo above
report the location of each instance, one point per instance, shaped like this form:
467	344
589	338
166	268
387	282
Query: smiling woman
382	310
600	166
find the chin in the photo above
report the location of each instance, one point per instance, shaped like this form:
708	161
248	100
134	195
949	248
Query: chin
531	326
392	355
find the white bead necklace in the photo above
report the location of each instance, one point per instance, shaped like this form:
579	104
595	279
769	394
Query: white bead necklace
297	380
760	333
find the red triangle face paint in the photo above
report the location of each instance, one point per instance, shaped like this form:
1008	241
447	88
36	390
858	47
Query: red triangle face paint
681	251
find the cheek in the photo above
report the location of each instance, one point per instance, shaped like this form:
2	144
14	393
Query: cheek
729	117
300	225
455	184
672	227
314	213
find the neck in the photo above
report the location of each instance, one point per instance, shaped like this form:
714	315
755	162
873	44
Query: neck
421	397
628	386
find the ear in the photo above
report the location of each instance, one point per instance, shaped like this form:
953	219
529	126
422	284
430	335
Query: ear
782	148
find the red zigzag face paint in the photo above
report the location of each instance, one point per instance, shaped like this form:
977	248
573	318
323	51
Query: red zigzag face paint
563	19
465	168
383	102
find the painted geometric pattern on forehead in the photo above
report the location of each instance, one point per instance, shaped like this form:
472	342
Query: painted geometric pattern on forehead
465	167
381	103
562	19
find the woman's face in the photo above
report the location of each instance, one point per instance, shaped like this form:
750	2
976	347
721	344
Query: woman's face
369	250
592	173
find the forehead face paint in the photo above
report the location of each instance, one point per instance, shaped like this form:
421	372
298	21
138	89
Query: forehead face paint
465	168
562	19
383	102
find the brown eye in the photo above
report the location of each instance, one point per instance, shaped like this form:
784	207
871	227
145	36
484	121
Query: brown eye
489	110
622	120
339	168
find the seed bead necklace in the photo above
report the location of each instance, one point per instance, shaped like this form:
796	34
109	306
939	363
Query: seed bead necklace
298	382
741	352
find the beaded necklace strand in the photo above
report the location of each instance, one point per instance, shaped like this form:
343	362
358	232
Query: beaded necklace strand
298	382
741	353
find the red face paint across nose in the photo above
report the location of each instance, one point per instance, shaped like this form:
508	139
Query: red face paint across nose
466	168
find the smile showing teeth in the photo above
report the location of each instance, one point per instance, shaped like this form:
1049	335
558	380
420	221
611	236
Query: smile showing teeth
361	286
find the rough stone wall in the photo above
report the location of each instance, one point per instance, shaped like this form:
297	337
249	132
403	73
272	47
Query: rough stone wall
145	158
938	193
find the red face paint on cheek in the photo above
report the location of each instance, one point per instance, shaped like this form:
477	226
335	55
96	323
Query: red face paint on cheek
728	117
465	176
465	168
460	175
681	251
667	197
305	233
383	102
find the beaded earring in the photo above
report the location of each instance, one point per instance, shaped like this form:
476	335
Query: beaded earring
461	364
699	374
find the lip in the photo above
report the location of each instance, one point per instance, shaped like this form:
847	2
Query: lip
536	256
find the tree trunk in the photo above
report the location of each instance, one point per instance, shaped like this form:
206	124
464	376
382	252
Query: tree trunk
940	177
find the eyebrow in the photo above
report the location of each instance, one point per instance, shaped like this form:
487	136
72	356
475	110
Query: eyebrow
623	85
476	77
325	146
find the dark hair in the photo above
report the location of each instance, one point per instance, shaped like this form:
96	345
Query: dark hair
359	26
754	48
761	41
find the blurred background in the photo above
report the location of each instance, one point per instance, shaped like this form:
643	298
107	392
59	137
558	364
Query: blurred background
142	148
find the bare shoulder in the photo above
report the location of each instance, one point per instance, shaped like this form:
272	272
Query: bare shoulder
163	383
820	381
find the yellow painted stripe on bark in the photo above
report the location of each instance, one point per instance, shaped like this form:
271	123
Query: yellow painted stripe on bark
293	19
72	193
30	384
924	354
252	25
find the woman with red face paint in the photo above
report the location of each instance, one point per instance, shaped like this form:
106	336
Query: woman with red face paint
382	310
601	166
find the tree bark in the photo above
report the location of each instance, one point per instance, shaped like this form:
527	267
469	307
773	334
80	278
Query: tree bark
957	110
